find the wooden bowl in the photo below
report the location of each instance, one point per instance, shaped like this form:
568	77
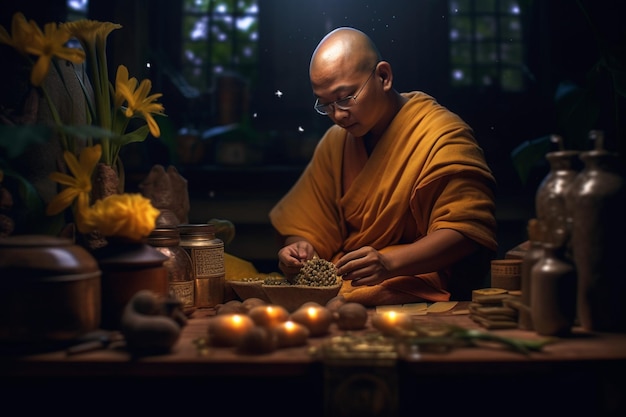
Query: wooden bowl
249	289
291	297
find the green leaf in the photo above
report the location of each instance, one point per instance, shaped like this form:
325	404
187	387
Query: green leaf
87	131
16	139
526	155
31	208
138	135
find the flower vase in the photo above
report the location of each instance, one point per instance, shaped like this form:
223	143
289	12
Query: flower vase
128	267
106	182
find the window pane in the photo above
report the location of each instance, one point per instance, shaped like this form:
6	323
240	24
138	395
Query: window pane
485	28
511	28
224	6
459	6
461	29
196	28
462	76
510	7
485	6
461	53
196	6
486	53
511	53
486	75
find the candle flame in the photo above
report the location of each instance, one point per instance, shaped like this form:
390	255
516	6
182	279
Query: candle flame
392	314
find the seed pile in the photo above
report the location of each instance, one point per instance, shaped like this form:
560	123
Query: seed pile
315	272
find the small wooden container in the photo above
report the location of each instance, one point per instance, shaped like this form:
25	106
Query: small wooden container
506	274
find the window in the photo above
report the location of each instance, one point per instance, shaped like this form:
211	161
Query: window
219	36
487	44
77	9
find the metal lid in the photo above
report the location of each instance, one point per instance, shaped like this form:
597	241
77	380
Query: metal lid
197	229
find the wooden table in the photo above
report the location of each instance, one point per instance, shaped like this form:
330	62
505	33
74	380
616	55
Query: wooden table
579	374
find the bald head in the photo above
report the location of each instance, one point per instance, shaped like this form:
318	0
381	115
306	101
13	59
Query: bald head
345	47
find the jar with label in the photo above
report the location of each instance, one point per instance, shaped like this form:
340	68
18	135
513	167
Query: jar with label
207	257
178	264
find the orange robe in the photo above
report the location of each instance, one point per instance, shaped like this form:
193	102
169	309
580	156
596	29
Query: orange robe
425	173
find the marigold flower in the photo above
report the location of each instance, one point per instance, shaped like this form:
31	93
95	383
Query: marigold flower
131	216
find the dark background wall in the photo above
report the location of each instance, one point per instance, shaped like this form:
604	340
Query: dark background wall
565	38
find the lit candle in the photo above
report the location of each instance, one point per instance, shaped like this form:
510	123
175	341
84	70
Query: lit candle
290	333
391	323
268	315
228	329
315	318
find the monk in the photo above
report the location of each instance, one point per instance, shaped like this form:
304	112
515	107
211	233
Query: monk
397	195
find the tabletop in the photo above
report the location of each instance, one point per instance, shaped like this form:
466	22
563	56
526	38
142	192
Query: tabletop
583	362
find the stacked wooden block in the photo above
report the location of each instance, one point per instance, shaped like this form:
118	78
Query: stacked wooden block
491	308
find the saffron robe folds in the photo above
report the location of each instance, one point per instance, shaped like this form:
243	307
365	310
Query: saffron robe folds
426	173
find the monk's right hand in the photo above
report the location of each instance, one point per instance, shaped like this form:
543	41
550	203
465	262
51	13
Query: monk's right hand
292	256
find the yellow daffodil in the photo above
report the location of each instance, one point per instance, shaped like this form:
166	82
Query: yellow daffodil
92	35
137	98
130	216
28	38
89	32
108	110
21	33
78	186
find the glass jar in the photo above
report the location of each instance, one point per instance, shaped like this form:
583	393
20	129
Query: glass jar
179	265
207	257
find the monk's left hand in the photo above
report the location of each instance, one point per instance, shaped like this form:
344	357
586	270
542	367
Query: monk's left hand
364	266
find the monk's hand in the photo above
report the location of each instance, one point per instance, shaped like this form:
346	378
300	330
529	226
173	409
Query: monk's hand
364	266
292	257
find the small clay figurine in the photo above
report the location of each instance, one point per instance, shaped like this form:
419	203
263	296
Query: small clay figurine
167	190
151	324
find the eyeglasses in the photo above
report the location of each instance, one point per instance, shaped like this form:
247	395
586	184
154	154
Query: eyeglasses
343	103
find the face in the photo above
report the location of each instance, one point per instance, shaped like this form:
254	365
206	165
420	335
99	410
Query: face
358	113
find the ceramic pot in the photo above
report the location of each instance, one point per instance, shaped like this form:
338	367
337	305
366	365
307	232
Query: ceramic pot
553	293
127	268
50	290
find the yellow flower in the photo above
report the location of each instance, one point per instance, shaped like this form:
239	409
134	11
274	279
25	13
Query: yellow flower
78	185
28	38
21	33
137	97
92	35
123	215
88	32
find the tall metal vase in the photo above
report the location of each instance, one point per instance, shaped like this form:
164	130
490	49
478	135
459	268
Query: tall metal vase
597	203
